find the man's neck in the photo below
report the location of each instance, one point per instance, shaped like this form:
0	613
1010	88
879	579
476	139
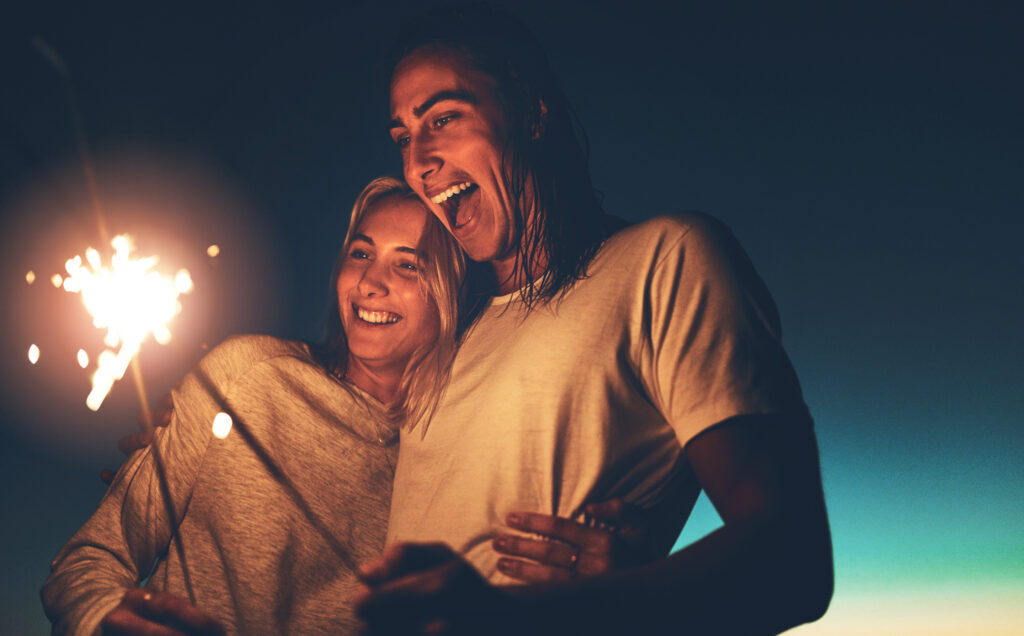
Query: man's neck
512	276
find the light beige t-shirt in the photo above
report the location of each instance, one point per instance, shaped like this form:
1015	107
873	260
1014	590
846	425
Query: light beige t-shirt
594	395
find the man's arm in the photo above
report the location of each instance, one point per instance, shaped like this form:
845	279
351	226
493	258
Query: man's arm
767	569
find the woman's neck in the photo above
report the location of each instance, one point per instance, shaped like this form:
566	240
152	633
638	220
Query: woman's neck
381	383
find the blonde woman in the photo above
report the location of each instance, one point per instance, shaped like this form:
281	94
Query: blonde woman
274	518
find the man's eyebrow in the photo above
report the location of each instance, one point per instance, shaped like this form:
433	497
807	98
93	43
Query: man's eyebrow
440	96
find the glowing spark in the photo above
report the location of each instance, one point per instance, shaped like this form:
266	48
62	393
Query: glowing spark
83	358
213	250
183	281
221	425
126	299
33	354
30	277
57	280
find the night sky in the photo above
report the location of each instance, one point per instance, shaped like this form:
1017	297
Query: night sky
870	157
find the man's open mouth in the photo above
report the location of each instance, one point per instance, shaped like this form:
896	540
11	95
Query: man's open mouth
451	199
376	317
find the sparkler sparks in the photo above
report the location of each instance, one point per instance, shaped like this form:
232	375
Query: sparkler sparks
127	299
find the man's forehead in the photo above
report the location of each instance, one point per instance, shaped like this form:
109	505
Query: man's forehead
426	74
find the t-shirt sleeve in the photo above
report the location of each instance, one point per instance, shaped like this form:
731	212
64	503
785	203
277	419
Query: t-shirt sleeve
132	527
714	349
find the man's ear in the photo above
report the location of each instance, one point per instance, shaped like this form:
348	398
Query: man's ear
539	127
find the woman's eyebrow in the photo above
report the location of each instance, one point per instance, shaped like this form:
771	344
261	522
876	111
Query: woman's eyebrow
362	237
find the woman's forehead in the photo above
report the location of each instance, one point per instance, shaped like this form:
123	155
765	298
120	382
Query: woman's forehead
394	218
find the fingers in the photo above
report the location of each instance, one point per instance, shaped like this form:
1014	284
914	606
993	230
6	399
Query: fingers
409	603
401	559
609	511
148	613
162	411
436	592
559	528
107	476
529	572
557	553
171	613
133	442
582	539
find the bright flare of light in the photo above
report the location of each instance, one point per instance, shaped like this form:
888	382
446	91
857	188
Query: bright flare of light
213	250
33	354
83	358
128	300
221	425
183	281
30	277
57	280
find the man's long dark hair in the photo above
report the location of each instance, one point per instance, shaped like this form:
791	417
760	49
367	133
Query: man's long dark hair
543	155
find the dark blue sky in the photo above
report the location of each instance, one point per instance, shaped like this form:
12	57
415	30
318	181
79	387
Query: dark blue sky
869	157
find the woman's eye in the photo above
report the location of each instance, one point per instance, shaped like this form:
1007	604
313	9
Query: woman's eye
411	267
357	253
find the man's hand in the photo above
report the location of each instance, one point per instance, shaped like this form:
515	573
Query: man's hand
145	612
134	441
616	536
426	588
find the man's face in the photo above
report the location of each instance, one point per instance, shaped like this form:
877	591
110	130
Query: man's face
451	132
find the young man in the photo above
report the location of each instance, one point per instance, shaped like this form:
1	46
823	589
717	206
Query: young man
643	364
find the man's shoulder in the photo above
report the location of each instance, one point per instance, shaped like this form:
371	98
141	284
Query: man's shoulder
669	232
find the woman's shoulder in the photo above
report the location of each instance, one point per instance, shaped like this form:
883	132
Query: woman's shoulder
237	355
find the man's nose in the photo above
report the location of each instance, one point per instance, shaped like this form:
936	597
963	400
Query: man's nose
424	159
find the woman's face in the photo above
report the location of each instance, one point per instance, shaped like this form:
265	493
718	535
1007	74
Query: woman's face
384	309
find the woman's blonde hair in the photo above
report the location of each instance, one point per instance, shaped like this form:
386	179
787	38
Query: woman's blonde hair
442	269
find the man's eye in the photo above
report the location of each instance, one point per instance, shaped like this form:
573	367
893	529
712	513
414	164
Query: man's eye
443	121
402	141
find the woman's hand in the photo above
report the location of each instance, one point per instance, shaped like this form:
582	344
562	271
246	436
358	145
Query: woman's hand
150	613
614	535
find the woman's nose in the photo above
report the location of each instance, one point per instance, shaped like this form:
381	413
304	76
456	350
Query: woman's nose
373	281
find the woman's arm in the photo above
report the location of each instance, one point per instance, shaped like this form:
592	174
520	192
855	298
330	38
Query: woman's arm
132	527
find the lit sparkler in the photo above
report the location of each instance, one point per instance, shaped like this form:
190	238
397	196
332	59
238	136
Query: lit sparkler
127	299
130	301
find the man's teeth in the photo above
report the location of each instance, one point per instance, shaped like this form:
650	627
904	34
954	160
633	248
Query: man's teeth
377	317
450	192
